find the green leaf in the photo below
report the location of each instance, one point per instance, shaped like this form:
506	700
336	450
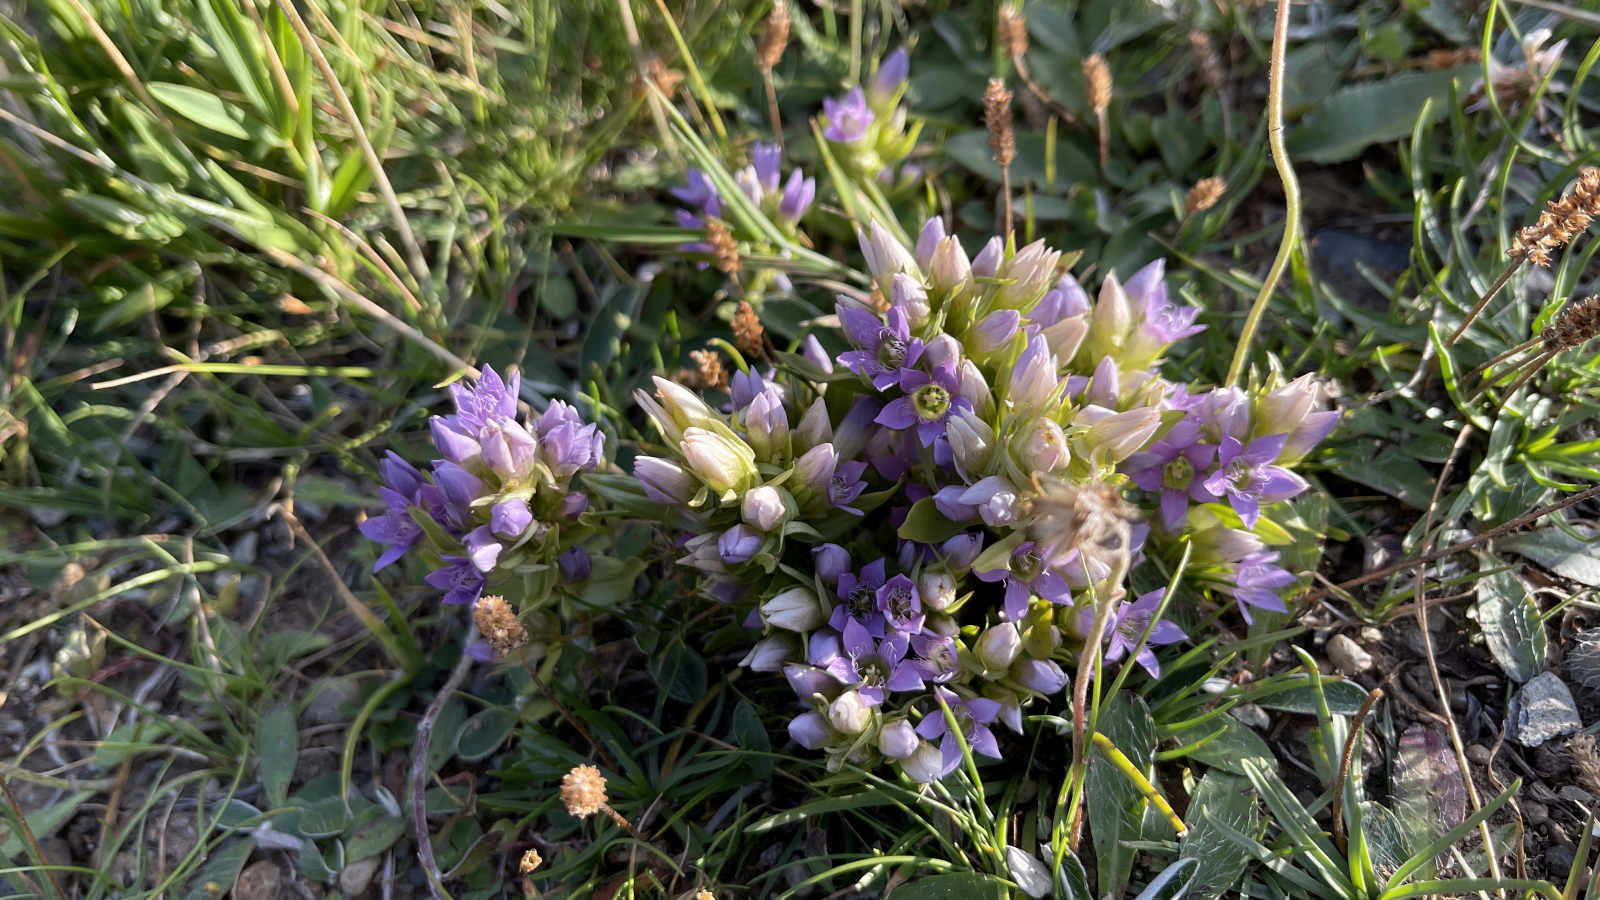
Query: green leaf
312	864
483	734
1344	699
1353	117
971	149
200	107
863	800
559	298
1559	552
279	749
611	580
1394	473
42	822
325	818
373	837
142	300
680	672
446	731
925	524
1219	798
1511	625
1228	750
220	871
965	886
1116	806
750	734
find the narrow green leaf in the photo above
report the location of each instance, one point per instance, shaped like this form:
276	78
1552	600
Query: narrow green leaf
279	749
200	107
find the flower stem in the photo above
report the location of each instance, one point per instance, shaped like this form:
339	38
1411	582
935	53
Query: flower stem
1484	301
1344	765
1291	194
1080	703
624	823
572	720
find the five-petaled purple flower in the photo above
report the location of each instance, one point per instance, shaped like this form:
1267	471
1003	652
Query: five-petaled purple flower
1256	580
885	347
846	485
900	604
860	596
1128	625
928	402
1172	467
459	579
874	666
1246	475
848	119
1026	576
972	718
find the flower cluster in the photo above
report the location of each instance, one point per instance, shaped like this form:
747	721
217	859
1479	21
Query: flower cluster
1029	454
868	129
497	508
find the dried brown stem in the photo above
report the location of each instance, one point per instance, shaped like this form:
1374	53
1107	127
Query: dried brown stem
1484	301
419	766
572	720
1344	765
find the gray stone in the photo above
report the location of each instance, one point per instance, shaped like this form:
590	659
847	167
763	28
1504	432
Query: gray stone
1543	709
1575	794
324	707
1348	656
357	875
1558	858
1535	813
259	881
1478	754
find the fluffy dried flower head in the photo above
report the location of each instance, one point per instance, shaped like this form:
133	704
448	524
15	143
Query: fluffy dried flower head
708	371
1578	323
1563	220
747	330
705	895
776	37
1091	519
499	625
997	116
530	861
583	790
1206	56
1204	195
724	249
1013	31
1097	82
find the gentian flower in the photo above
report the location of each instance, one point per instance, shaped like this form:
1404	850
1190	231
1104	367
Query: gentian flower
738	544
798	193
898	739
848	119
847	485
892	73
831	561
575	566
900	604
860	598
811	730
510	518
1128	625
874	666
1027	575
928	403
937	657
972	718
1172	466
1245	474
459	579
1256	581
395	528
884	348
700	192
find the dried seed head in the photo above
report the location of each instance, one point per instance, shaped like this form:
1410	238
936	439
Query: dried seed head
705	895
1564	219
1012	31
1097	82
1204	195
1577	324
1091	519
583	790
1449	59
1581	749
997	115
530	861
724	249
747	330
708	370
499	625
1205	56
776	37
666	79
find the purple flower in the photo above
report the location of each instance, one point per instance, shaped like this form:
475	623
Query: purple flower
459	488
765	159
928	241
811	730
738	544
1248	478
846	485
1128	625
700	192
810	682
860	598
900	604
574	505
972	718
508	448
884	348
813	351
948	501
891	75
1042	676
995	330
996	500
665	481
1035	379
395	528
574	565
744	387
490	397
480	651
1256	581
938	659
453	442
1064	301
961	551
848	119
566	443
510	518
1027	575
1171	466
831	561
459	579
898	739
1311	431
798	192
872	665
483	548
927	404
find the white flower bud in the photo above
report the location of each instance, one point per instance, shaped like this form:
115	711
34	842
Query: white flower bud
999	646
796	609
850	713
971	441
951	273
724	464
925	764
937	589
1115	437
772	653
814	428
764	508
1044	449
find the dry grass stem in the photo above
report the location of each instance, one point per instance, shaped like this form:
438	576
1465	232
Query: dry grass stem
997	117
1097	90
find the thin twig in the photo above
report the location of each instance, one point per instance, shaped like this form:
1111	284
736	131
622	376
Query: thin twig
419	765
1291	195
379	177
561	708
1344	765
1489	535
33	842
1484	301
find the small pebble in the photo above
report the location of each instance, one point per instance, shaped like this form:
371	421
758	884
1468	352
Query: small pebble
1543	709
1535	813
1348	656
1372	635
1252	715
1558	858
1478	754
1575	794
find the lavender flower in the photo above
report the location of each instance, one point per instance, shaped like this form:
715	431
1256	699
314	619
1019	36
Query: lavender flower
700	192
395	527
798	194
1024	576
1128	625
1245	474
510	518
739	543
459	579
928	403
874	666
1171	466
891	77
972	718
885	348
831	561
847	485
901	605
938	658
860	598
811	730
483	549
1256	581
848	119
575	566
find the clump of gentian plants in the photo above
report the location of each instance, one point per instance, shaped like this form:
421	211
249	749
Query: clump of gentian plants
934	530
